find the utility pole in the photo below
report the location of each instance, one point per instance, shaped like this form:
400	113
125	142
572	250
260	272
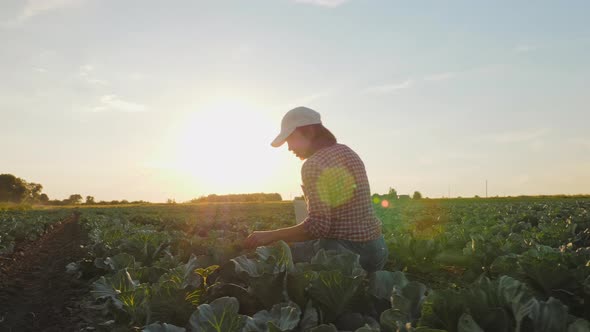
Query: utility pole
449	191
486	188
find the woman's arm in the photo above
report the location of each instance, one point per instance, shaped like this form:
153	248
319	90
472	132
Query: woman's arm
295	233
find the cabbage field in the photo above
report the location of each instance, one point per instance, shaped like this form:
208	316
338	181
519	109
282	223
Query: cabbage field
456	265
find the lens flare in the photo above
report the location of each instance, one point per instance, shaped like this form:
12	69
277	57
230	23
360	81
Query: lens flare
335	186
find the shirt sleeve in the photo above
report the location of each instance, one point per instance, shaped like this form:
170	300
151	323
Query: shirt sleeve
319	212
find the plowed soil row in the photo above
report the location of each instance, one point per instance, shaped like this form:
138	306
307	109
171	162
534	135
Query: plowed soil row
36	293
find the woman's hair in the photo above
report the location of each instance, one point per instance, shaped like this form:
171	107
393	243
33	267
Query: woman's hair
320	136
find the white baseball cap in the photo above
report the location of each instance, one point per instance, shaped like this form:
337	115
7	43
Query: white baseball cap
297	117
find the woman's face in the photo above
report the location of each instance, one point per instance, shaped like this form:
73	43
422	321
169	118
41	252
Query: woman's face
299	144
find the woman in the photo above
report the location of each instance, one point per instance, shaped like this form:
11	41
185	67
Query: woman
336	189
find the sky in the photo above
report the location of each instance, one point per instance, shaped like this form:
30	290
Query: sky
156	100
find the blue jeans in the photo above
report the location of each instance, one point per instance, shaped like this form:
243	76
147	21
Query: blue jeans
373	254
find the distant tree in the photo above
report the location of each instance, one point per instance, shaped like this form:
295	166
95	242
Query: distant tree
392	194
272	197
17	190
124	201
12	189
256	197
90	200
417	195
74	199
170	201
43	199
33	191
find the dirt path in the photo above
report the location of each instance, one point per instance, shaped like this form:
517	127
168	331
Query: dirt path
35	292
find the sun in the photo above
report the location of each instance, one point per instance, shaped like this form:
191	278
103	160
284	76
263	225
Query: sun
225	147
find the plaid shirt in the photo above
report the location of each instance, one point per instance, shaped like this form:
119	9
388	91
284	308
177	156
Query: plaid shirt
338	196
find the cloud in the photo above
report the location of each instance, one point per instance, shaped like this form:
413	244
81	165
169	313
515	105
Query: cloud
324	3
409	83
387	88
86	72
437	77
114	103
445	76
35	7
526	135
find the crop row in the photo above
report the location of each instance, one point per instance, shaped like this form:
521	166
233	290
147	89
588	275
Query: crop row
520	271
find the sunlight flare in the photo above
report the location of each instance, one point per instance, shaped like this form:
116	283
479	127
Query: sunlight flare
225	147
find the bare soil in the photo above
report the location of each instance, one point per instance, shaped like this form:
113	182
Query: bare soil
36	293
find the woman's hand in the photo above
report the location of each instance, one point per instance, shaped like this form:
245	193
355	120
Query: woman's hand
259	238
289	234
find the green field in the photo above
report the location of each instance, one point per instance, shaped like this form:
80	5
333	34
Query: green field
514	264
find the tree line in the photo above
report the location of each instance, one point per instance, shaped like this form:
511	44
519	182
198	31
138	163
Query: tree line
17	190
256	197
392	194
